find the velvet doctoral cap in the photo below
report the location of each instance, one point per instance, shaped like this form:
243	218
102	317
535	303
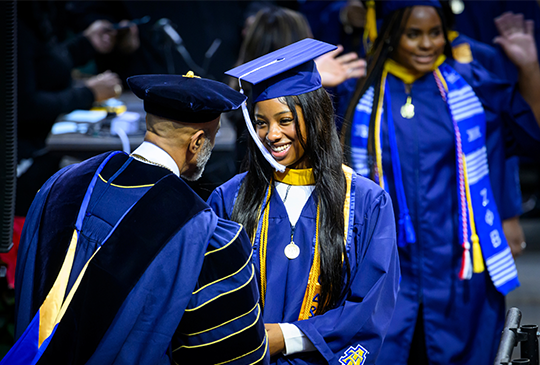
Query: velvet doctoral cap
184	98
393	5
290	70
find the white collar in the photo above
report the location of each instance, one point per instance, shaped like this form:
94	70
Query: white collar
156	154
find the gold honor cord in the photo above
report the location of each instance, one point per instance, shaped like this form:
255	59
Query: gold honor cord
310	302
478	260
262	243
378	115
347	205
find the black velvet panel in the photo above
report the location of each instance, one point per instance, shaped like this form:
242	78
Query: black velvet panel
227	349
223	263
210	315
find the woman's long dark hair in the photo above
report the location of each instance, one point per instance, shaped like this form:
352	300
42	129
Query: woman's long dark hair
385	44
323	151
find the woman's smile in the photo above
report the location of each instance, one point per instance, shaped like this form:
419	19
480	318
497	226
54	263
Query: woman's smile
276	126
424	59
279	150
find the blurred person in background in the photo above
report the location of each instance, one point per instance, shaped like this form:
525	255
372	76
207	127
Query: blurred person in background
47	55
198	25
435	133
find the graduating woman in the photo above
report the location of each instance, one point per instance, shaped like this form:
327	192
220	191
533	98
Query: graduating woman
323	237
434	133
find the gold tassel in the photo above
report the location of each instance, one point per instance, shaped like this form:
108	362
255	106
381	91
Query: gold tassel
370	28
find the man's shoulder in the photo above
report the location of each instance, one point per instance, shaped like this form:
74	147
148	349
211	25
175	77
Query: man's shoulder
233	183
70	177
228	232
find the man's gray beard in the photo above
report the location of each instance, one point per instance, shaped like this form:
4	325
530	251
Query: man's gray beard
202	159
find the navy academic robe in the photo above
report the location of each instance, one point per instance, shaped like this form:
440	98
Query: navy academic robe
157	290
462	319
362	316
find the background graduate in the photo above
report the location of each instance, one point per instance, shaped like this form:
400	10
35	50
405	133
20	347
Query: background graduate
435	134
149	275
323	236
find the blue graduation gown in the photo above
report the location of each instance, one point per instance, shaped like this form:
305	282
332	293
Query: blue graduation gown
362	316
169	312
462	319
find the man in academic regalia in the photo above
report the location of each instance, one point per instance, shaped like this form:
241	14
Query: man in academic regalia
120	262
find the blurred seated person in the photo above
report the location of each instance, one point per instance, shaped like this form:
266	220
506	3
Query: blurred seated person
197	23
46	58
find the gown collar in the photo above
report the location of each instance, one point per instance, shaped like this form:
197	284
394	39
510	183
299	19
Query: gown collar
406	75
157	155
295	177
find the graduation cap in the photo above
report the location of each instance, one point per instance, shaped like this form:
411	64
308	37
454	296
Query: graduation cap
184	98
288	71
391	6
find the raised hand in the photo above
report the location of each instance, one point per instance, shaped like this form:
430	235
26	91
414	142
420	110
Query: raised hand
517	39
335	68
127	39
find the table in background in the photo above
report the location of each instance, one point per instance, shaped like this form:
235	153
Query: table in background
79	146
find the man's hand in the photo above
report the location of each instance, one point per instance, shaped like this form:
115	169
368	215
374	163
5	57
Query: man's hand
353	14
104	86
514	235
335	68
127	39
275	338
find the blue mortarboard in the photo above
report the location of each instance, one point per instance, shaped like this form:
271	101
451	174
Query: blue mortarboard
393	5
290	70
187	98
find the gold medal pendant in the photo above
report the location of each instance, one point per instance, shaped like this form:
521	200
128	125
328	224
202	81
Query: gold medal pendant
407	110
292	251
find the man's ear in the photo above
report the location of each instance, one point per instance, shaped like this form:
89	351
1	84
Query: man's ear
196	141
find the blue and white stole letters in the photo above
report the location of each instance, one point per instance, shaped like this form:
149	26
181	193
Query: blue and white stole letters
469	124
